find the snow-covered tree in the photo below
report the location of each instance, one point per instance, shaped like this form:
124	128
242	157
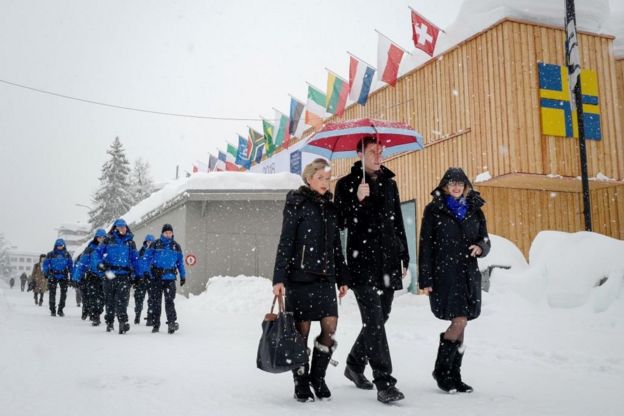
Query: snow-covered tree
114	197
141	182
5	267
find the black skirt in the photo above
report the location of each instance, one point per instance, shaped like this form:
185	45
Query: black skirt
311	301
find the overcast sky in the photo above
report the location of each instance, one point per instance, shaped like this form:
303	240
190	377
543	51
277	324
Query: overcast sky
224	58
234	58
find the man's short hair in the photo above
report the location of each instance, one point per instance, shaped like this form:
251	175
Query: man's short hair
363	144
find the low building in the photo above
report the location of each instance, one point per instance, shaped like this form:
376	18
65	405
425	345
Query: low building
228	222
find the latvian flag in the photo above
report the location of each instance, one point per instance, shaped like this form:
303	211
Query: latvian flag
360	80
337	93
200	167
315	109
424	33
389	57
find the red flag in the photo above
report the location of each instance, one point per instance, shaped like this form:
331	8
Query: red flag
389	57
425	33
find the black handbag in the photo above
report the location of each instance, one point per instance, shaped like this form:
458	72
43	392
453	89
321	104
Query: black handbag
281	347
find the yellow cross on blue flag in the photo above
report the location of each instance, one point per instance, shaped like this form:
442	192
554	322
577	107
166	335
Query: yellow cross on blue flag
558	119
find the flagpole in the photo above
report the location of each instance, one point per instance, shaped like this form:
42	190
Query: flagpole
396	44
361	60
573	65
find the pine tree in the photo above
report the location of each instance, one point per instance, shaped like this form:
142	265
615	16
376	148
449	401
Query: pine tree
141	182
5	267
114	197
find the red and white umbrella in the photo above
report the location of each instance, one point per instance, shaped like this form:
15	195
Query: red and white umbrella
340	139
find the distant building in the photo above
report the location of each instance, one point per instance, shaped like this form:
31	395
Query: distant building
74	234
22	262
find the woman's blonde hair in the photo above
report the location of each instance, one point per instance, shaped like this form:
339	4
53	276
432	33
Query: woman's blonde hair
311	168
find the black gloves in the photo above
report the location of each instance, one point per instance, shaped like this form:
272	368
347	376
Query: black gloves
182	281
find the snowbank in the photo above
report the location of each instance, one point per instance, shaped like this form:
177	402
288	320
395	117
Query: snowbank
567	270
235	294
503	253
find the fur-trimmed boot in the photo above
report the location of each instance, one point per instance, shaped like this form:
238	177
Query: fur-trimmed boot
301	377
442	373
320	360
456	371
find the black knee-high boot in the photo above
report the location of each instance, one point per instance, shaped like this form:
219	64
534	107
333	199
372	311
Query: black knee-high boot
442	373
301	377
456	371
320	360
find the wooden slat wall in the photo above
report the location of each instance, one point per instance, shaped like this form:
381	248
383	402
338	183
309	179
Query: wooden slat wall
488	85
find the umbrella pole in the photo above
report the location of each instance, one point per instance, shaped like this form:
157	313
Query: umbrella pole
363	161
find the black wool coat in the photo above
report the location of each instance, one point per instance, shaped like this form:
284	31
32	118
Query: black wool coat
444	261
309	248
376	242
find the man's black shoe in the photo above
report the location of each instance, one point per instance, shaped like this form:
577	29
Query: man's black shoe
391	394
359	379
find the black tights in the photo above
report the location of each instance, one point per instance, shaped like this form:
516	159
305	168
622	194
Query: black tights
455	331
328	329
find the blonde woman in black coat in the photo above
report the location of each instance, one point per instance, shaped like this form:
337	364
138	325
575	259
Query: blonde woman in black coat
452	236
308	267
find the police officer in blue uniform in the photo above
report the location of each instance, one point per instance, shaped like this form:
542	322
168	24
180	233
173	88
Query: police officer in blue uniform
166	260
56	268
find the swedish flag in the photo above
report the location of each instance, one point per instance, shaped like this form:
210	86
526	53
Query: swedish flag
557	117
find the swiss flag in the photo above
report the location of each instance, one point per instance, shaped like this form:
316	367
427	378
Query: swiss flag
425	33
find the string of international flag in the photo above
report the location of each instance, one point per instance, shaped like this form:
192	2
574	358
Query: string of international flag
278	133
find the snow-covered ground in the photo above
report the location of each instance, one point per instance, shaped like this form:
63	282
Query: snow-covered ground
525	356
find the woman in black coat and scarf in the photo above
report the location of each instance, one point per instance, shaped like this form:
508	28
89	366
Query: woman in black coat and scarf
452	235
308	266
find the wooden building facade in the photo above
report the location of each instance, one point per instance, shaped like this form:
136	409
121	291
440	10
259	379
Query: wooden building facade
478	107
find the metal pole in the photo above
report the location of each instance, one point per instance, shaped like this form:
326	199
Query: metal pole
571	44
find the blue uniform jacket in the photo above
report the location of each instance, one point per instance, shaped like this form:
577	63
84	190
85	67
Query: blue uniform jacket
86	264
144	263
165	258
117	253
57	264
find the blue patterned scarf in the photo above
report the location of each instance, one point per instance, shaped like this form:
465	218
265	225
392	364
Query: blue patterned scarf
459	207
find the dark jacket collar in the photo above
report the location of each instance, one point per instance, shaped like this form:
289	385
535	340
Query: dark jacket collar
384	172
308	193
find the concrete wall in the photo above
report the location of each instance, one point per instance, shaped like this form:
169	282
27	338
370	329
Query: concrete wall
231	238
227	237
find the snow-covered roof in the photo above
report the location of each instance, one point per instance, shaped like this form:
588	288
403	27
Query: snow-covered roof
75	227
214	181
594	16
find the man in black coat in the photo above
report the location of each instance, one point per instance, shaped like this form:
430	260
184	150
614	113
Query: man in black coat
377	257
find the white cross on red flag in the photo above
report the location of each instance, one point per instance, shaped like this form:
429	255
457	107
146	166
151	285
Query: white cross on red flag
425	33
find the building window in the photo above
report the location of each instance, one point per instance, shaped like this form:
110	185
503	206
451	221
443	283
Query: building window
29	260
21	259
14	259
